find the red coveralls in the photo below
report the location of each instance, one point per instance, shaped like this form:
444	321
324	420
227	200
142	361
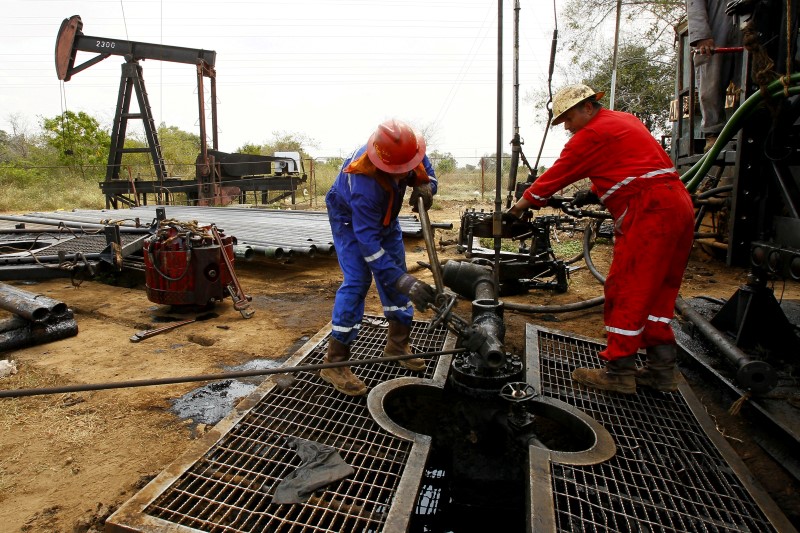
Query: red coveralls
653	224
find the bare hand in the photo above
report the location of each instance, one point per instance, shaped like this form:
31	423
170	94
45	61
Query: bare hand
705	47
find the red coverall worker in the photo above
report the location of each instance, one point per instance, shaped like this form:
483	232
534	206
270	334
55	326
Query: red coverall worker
653	216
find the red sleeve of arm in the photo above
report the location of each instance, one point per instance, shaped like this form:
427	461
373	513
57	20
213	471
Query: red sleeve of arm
575	163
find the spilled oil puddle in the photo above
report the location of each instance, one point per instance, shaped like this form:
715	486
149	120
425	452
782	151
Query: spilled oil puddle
212	402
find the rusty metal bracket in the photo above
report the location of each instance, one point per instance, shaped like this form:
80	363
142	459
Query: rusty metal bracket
241	302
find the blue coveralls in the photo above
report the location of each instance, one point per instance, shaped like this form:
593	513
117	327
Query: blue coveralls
357	205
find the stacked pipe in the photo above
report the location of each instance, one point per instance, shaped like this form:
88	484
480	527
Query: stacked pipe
267	232
36	319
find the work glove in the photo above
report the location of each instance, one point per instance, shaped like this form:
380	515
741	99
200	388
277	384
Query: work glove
420	293
424	191
585	197
509	218
556	201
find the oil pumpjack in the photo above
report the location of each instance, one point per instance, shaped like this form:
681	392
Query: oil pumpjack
220	177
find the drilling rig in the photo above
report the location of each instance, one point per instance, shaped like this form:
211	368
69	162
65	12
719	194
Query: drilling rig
746	187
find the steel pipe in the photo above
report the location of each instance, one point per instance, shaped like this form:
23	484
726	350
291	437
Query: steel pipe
24	307
269	229
214	377
68	223
561	308
274	252
15	322
469	280
756	376
57	308
30	259
243	252
38	333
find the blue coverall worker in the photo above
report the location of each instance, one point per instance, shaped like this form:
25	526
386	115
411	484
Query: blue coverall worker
363	204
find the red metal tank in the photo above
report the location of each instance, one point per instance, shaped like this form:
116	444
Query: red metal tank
186	268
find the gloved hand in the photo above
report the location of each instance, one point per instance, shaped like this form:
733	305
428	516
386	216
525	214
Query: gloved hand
424	191
556	201
420	293
509	218
585	197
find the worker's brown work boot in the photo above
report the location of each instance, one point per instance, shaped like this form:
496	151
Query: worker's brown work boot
341	377
619	375
659	372
397	343
710	142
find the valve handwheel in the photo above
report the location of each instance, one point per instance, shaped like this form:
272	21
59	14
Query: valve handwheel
517	391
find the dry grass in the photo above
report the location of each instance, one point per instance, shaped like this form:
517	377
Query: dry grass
42	196
39	194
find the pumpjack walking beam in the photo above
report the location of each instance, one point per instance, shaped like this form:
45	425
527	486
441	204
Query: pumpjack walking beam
71	40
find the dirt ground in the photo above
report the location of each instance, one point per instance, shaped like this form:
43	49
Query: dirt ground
68	461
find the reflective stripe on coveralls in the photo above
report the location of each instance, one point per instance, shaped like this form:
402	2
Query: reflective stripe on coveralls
611	147
366	248
626	181
655	237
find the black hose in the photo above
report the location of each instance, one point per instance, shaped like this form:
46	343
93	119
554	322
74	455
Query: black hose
580	255
549	105
713	192
587	237
214	377
562	308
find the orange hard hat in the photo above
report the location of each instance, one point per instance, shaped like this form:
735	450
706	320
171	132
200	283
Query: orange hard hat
395	147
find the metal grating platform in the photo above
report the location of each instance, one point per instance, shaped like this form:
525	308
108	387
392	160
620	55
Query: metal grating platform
87	244
672	470
51	244
229	487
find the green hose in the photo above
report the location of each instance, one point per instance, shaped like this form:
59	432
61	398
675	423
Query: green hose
694	175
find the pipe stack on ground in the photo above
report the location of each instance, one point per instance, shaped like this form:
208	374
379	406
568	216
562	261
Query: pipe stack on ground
37	319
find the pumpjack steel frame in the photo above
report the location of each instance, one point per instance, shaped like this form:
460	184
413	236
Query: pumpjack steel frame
207	188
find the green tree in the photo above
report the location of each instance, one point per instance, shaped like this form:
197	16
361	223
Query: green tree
644	82
649	23
443	162
282	142
19	143
490	162
5	142
250	148
179	149
81	143
332	162
645	62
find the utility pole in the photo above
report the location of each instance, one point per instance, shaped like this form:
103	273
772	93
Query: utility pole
616	53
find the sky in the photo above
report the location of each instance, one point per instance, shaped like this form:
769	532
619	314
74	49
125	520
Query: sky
328	70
